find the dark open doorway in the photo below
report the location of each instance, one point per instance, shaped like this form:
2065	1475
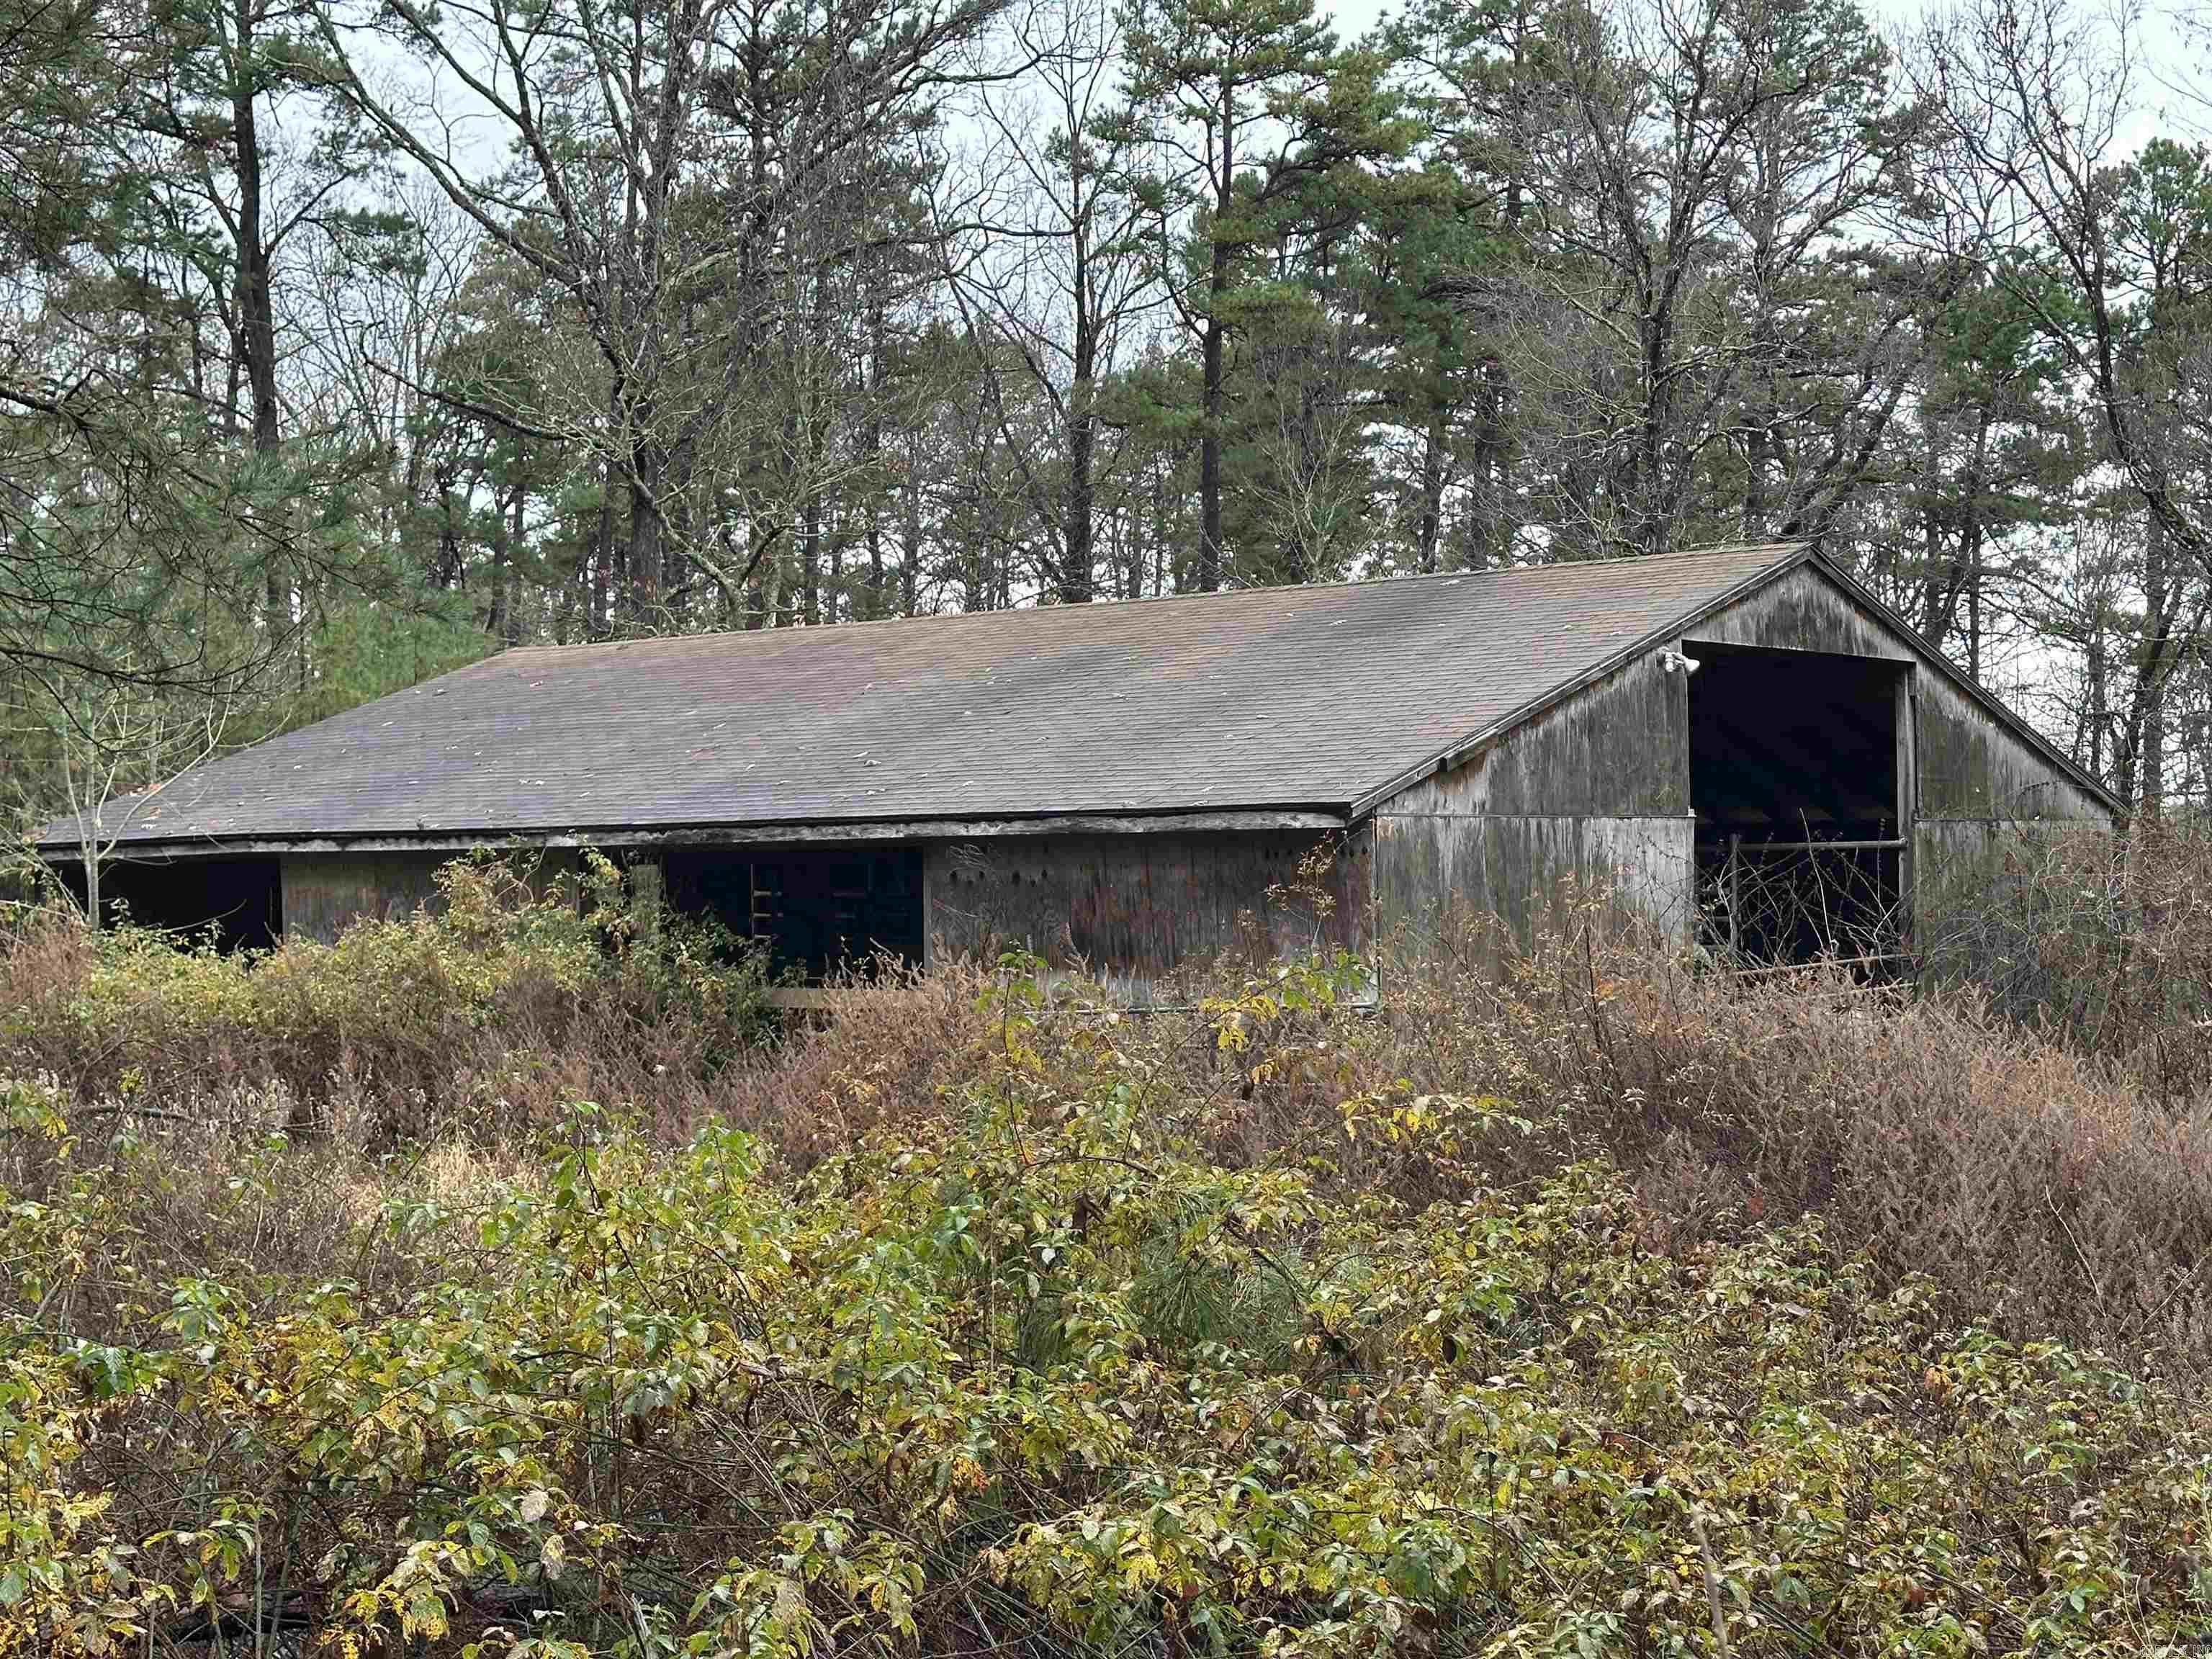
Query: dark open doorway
816	910
1793	778
239	903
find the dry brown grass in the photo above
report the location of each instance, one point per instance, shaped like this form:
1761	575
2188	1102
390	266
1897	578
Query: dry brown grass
2103	943
2039	1188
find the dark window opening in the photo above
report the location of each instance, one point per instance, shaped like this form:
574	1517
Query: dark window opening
238	901
1793	774
817	910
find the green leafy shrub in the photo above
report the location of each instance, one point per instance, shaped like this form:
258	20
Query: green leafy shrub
436	1016
1040	1373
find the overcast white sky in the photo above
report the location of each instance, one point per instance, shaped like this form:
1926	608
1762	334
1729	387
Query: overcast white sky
2171	79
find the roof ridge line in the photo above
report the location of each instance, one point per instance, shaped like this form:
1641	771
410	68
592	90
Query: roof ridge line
1713	551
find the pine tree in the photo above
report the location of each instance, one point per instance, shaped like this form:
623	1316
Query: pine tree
1245	104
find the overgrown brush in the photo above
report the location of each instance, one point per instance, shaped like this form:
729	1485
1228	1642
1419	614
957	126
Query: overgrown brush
1040	1376
1546	1309
2036	1188
2102	942
2036	1185
491	1007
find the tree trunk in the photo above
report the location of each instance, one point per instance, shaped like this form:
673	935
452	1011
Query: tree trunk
1078	564
648	531
256	303
2152	679
1936	585
1432	487
1971	550
1160	529
1756	458
809	575
2099	693
602	551
1210	559
1079	558
1650	451
1494	532
873	446
495	603
1974	609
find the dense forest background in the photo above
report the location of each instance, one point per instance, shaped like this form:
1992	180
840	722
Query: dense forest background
345	342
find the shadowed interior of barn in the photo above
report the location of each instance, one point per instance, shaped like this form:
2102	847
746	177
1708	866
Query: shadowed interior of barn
1794	781
814	909
236	904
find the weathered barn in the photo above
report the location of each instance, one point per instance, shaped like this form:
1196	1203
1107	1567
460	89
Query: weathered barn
1741	740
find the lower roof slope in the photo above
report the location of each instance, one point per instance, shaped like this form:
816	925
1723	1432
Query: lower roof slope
1304	698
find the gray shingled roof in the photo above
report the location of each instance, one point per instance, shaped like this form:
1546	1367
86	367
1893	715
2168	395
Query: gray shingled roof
1303	698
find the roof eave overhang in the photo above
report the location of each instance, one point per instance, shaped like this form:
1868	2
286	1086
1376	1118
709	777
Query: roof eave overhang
629	836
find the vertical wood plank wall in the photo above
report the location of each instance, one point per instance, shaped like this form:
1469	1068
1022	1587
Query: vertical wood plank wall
1134	909
1592	796
326	892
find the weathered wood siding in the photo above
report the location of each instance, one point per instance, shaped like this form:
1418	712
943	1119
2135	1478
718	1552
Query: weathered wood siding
1591	795
1134	909
1594	794
1435	873
1618	749
325	893
1969	766
1804	610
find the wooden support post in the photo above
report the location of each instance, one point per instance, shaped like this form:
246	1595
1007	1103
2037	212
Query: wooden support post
1734	895
1908	805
